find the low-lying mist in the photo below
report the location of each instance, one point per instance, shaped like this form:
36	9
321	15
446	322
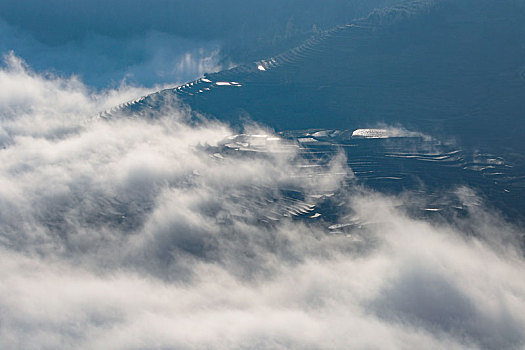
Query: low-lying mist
128	233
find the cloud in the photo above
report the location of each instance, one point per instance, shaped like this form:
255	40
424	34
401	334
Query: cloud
151	233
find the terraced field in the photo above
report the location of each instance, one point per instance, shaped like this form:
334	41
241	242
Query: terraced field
397	66
394	164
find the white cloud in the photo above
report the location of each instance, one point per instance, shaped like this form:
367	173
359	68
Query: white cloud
131	234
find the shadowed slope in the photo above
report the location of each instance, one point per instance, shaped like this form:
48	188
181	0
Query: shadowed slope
451	69
444	68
